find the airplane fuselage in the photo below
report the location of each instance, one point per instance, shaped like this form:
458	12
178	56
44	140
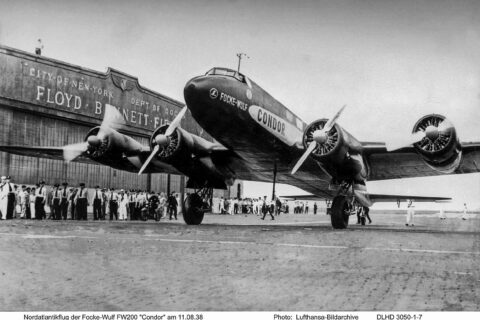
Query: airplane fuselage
260	130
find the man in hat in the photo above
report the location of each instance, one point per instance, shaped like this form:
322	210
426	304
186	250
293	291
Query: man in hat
64	201
40	199
56	200
81	202
97	203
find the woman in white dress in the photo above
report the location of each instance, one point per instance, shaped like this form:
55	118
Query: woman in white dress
123	205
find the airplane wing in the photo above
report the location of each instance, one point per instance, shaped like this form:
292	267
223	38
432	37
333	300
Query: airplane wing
374	198
55	153
406	162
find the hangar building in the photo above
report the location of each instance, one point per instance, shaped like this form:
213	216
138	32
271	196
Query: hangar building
46	102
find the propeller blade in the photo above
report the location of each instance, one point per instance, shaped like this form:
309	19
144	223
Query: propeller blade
412	139
112	119
331	122
304	156
145	165
72	151
176	122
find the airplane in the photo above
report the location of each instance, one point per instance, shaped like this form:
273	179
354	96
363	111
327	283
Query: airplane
257	138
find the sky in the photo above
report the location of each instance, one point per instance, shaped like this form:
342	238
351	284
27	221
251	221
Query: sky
390	62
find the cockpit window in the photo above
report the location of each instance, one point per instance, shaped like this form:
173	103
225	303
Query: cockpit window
226	72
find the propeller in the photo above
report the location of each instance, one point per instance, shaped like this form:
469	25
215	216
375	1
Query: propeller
319	137
112	119
431	132
162	140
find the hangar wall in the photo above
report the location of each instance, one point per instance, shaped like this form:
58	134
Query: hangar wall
46	102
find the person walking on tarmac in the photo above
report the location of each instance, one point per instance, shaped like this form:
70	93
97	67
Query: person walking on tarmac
172	205
410	213
266	208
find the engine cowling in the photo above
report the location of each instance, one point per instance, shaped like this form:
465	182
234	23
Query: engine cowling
440	148
333	144
177	146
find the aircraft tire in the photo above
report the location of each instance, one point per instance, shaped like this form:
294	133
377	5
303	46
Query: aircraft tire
339	217
192	213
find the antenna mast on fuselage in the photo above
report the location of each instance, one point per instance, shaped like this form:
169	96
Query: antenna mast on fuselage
240	55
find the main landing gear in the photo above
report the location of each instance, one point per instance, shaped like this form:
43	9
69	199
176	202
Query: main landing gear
196	204
343	206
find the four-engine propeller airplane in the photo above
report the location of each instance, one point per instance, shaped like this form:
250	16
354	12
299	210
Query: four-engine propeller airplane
259	139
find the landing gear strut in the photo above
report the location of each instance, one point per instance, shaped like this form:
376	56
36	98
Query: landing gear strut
195	206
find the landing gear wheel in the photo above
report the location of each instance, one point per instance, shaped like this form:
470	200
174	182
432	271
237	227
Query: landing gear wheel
339	212
192	209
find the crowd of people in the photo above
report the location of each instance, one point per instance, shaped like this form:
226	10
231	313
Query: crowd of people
63	202
261	206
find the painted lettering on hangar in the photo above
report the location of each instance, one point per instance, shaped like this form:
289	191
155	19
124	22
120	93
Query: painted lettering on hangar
76	92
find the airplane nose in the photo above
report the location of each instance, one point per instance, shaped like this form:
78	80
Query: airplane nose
191	90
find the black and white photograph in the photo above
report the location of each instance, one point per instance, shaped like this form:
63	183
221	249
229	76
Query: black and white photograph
196	160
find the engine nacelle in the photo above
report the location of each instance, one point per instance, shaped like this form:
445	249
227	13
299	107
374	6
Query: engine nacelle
178	149
440	148
111	142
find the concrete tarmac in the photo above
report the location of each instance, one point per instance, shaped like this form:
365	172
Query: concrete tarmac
296	262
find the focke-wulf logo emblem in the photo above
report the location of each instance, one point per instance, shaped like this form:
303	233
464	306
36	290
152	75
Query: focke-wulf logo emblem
122	83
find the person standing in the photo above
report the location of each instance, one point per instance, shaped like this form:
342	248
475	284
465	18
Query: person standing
71	203
97	203
172	205
10	192
122	205
315	207
162	201
81	202
40	200
112	204
465	212
3	198
104	204
410	213
64	201
56	209
132	204
221	205
22	201
32	196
